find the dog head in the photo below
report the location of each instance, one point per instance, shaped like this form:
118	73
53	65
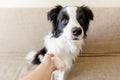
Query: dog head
70	22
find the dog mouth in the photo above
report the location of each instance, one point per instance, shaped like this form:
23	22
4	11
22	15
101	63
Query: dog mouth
75	38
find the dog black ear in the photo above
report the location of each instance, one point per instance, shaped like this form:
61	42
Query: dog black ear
88	12
52	14
88	16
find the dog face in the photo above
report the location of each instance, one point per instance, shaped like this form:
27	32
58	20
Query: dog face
70	22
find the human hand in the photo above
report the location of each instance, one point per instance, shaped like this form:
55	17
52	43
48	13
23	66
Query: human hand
49	62
55	61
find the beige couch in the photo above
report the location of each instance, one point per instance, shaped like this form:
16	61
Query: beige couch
22	30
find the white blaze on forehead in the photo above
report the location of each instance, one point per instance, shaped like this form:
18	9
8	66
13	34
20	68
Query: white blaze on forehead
71	12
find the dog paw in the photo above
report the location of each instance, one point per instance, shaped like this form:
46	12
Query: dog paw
59	64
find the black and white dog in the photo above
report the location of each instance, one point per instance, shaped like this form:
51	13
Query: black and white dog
66	38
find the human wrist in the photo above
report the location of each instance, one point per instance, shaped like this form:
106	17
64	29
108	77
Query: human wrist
46	66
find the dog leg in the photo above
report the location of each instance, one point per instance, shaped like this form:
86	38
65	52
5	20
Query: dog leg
59	75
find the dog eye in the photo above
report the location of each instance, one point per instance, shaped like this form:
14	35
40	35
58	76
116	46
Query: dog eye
80	21
64	21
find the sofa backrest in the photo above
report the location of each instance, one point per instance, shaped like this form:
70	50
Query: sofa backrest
22	30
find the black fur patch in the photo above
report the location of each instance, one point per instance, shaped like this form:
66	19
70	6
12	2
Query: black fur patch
41	52
52	16
84	15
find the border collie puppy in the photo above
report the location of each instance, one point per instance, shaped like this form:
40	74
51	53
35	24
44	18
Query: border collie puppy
66	38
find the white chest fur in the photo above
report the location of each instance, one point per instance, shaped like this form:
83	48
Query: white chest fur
66	50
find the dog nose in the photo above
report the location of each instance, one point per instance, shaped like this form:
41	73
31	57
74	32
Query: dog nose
76	31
